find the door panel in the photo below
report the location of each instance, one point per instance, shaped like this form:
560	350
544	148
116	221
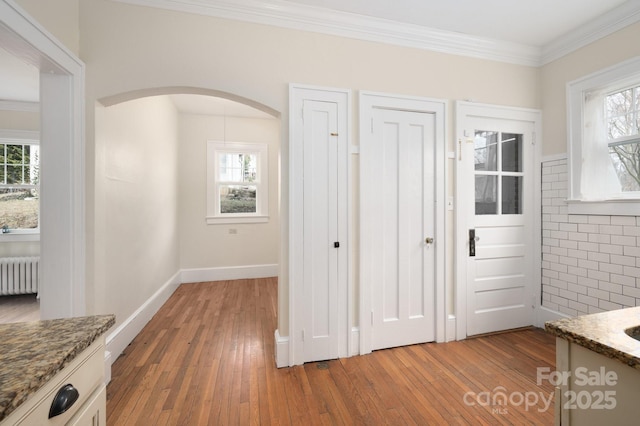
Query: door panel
497	164
403	217
320	309
321	282
497	301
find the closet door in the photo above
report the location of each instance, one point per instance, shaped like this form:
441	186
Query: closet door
402	229
319	251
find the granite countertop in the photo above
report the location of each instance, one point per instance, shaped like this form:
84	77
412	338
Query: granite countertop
31	353
603	333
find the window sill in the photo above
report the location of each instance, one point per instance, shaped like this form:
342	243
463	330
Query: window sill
11	237
629	207
215	220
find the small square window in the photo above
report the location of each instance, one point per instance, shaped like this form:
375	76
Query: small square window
237	182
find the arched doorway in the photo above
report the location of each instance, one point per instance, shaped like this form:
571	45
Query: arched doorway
150	218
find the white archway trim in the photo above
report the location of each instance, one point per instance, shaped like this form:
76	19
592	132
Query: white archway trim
186	90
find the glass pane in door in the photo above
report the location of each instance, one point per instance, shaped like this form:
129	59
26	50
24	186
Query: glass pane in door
486	194
512	195
511	152
485	150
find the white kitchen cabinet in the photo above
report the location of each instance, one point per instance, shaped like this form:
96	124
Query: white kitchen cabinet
86	374
594	389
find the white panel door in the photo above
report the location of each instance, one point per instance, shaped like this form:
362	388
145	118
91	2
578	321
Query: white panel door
322	253
498	174
402	221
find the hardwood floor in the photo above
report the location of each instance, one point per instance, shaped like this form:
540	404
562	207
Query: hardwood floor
207	358
20	308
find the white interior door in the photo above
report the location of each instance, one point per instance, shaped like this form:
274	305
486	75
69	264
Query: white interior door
401	219
496	181
318	252
321	240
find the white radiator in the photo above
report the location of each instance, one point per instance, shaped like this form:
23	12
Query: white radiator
19	275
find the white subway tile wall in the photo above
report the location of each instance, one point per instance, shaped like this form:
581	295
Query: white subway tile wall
589	263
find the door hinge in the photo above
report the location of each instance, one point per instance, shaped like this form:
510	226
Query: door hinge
333	133
371	317
371	124
533	138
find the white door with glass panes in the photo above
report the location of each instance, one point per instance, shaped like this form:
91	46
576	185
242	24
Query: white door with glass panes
398	182
495	220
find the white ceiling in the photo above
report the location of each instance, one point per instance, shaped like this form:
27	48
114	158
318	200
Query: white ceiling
530	26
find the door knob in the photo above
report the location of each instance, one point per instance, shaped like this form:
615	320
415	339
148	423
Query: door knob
428	240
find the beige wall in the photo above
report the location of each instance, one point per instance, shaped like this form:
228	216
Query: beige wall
604	53
59	17
128	48
136	196
19	120
19	248
210	246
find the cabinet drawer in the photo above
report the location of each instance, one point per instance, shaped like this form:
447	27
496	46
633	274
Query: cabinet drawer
85	373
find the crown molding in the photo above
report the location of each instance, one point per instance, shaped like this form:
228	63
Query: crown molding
308	18
24	106
627	14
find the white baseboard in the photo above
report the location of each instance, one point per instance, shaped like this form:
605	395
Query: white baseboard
450	333
546	314
282	350
119	338
355	341
228	273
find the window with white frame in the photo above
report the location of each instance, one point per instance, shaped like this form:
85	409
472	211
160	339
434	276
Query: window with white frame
604	141
237	182
19	186
622	123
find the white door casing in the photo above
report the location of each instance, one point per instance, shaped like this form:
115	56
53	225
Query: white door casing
496	175
318	225
402	237
62	202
